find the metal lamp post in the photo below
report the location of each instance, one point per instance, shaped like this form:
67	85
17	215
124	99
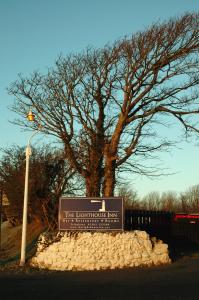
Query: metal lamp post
30	117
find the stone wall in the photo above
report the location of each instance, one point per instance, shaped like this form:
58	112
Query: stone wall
96	251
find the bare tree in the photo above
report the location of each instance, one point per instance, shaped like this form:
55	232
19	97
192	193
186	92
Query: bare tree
106	106
50	177
190	200
130	197
169	201
152	201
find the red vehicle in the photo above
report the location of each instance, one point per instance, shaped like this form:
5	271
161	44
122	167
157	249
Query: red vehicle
191	218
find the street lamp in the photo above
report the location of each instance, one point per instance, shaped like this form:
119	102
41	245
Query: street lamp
30	118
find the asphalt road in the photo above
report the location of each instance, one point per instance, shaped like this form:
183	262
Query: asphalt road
178	281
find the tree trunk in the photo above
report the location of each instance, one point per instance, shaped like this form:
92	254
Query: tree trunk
109	178
93	185
94	168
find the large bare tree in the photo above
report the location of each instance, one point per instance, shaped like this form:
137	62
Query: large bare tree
107	105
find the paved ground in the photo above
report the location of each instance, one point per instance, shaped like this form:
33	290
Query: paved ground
178	281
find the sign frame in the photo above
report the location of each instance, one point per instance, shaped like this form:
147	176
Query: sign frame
107	214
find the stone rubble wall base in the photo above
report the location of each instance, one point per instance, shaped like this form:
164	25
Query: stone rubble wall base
97	251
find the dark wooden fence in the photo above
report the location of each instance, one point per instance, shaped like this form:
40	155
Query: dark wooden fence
163	225
186	226
156	223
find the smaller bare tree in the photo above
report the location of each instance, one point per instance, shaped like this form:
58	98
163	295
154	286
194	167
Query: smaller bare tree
169	201
190	200
50	177
130	196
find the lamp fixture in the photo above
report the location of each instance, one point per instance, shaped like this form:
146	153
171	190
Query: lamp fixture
31	116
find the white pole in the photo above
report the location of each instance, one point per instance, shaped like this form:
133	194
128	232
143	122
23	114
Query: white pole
25	209
25	205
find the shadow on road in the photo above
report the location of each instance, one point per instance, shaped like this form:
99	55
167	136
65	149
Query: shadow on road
180	247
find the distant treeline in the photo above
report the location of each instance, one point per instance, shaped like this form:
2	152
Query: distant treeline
187	202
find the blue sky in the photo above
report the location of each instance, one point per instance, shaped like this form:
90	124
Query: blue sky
34	32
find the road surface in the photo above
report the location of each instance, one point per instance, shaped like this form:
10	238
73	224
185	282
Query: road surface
178	281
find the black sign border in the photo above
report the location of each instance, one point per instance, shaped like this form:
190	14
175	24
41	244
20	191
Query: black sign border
94	198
